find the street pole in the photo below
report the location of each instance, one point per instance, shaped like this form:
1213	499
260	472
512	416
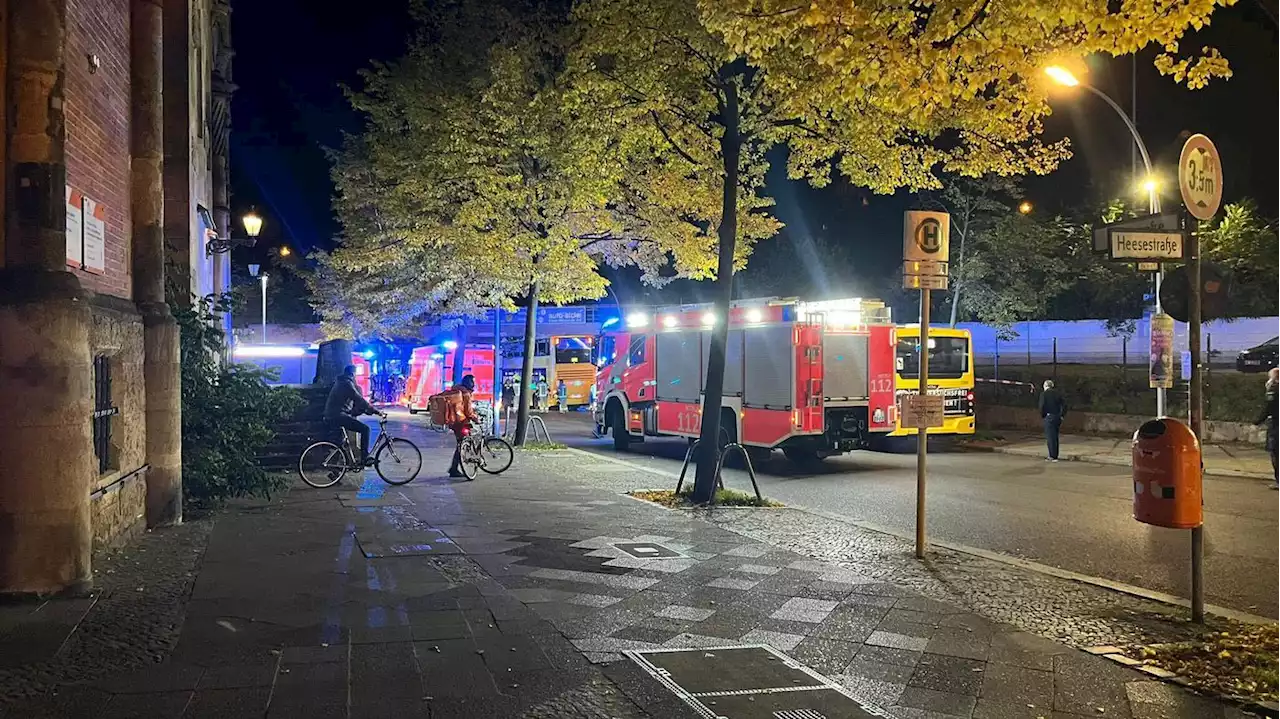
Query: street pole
264	308
1153	204
922	433
1196	409
497	370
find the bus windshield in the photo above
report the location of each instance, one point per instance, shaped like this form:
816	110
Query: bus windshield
948	357
573	350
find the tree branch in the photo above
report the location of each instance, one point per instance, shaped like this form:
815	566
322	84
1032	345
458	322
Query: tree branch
666	136
977	15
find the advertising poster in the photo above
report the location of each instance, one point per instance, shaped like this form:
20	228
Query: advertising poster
1161	375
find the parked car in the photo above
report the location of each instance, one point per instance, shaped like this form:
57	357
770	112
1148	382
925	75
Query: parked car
1260	358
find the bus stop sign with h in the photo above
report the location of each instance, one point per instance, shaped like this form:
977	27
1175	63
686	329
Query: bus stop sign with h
925	255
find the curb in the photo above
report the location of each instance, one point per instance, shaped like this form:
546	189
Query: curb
1117	655
1105	460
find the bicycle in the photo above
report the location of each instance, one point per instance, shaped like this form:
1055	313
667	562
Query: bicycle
396	460
478	449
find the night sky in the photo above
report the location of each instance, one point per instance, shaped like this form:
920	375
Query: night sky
294	56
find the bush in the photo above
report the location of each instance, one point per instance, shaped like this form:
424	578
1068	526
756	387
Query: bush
1228	396
228	413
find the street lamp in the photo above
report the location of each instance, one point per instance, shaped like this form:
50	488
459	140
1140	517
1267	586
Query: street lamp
1025	208
252	226
253	272
1064	77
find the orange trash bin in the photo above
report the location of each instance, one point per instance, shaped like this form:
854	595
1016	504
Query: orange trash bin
1167	490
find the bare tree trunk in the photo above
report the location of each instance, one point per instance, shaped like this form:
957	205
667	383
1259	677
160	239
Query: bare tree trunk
708	449
526	366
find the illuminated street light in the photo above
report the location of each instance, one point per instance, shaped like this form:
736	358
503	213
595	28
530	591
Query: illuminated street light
1061	75
1025	208
1064	77
215	245
252	223
285	251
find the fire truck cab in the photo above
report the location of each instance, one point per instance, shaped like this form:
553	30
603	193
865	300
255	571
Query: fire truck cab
813	379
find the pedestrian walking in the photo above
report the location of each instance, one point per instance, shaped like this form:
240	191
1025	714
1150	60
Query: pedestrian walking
592	398
1270	418
1053	409
534	395
562	396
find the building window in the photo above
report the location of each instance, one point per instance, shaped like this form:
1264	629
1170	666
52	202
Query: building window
542	348
103	411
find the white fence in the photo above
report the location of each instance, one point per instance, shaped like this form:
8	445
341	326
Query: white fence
1087	341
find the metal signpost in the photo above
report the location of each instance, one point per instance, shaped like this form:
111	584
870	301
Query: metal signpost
1146	241
924	267
1200	183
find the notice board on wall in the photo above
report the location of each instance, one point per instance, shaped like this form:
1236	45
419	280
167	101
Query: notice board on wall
95	236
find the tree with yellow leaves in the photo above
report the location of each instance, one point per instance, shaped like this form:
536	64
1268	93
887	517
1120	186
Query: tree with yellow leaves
884	93
475	183
888	93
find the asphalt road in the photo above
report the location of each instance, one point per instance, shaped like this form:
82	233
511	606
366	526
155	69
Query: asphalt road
1070	515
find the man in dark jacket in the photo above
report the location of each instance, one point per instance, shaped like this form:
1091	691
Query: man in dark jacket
344	404
1270	417
1053	409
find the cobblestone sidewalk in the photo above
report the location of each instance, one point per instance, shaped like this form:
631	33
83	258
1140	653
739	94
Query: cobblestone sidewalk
544	593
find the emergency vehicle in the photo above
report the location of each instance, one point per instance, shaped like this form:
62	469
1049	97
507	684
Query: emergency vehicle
813	379
431	372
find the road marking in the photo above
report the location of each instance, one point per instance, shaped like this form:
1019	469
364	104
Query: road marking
1101	582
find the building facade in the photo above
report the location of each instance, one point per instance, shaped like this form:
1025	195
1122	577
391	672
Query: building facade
111	199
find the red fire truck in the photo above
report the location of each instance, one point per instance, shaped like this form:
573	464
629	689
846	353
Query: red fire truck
813	379
431	372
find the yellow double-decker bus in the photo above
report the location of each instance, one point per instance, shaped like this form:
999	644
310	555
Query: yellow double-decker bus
950	375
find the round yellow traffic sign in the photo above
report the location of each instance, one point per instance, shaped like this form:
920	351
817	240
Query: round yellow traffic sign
1200	177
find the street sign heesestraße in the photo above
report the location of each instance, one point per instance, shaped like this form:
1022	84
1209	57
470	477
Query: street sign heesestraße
1146	245
1167	221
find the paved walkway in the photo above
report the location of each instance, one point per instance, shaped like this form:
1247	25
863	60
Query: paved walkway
1225	460
521	596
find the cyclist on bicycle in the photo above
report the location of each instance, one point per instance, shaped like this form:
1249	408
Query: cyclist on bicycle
344	404
462	417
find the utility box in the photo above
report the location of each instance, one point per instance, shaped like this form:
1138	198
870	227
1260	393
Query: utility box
1167	475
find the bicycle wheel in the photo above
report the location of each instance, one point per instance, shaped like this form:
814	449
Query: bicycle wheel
497	454
469	459
322	465
398	461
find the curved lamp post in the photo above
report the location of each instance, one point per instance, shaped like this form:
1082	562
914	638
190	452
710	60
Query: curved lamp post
1064	77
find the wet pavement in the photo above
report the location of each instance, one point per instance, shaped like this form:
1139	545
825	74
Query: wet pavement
545	593
1074	516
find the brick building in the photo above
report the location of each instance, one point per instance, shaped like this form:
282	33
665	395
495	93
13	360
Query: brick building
115	116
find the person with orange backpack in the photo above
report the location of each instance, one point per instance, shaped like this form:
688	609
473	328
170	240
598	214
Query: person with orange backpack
459	414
